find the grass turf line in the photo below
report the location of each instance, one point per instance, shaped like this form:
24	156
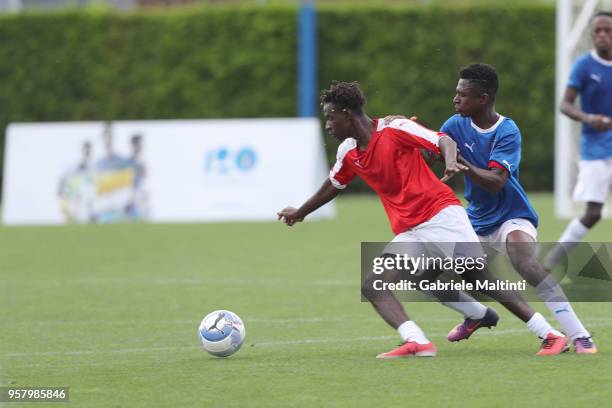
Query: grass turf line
112	312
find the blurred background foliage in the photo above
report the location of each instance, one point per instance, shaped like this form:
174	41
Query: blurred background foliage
239	60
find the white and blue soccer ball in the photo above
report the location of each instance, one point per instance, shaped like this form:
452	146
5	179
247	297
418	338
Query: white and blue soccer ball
221	333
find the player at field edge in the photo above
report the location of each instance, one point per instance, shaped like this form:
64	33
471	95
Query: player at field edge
420	207
591	78
499	210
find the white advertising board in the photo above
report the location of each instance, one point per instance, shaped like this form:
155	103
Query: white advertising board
160	171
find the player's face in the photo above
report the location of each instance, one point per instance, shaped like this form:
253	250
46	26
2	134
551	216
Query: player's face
337	122
602	33
467	99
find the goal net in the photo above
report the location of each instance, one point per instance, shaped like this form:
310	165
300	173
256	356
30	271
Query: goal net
573	39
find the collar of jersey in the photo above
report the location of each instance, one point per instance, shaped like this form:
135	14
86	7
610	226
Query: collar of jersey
600	60
379	125
491	129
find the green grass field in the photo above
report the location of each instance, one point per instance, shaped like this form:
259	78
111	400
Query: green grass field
112	312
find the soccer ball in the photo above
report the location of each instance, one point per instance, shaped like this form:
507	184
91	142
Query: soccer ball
221	333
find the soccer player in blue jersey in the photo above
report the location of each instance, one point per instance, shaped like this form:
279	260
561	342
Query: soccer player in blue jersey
591	78
499	210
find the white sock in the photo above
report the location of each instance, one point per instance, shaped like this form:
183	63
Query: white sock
467	305
409	331
555	300
574	232
540	327
565	315
571	237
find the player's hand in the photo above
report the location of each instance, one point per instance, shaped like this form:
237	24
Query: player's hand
599	122
451	170
462	160
289	216
390	118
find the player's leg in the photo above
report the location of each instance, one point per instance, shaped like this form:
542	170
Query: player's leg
574	233
592	215
554	342
384	301
454	227
511	300
464	330
415	342
520	246
594	177
444	229
458	300
476	314
423	241
441	234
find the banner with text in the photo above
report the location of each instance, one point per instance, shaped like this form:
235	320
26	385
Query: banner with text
161	171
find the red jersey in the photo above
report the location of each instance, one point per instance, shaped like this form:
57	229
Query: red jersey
392	166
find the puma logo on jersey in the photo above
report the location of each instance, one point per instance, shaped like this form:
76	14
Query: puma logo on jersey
471	147
509	165
596	78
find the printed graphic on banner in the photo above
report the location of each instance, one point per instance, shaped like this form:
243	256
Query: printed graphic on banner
107	190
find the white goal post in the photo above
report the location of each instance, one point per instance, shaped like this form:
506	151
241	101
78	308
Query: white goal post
572	39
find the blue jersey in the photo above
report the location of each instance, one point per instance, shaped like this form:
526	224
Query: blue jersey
498	146
592	77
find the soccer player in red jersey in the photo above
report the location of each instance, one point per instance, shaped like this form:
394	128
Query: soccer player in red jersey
420	207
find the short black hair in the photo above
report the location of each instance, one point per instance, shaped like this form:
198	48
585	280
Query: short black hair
344	95
483	76
601	14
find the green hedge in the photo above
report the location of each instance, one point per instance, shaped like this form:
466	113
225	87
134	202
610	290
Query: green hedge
408	60
223	62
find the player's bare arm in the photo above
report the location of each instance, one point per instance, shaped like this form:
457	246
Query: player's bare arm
448	149
492	180
325	194
569	108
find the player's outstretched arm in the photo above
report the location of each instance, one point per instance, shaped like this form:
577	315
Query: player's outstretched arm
448	149
492	180
325	194
569	108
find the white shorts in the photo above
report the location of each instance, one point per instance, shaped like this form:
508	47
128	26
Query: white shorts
443	232
497	239
594	178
